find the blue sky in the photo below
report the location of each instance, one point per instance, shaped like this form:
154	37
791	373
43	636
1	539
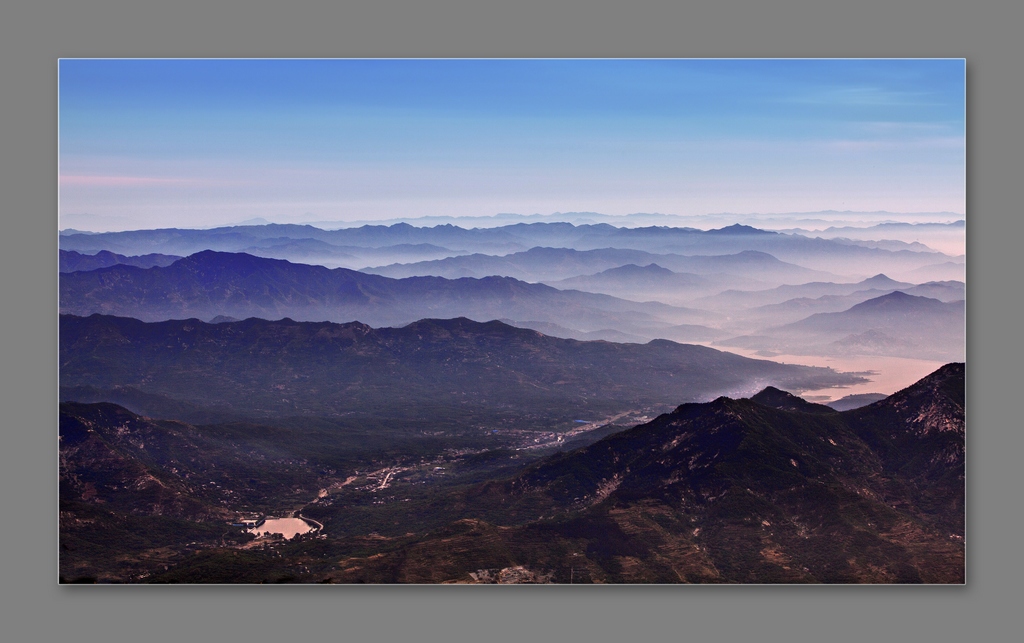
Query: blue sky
157	143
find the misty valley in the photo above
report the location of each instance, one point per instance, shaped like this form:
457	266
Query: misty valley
526	403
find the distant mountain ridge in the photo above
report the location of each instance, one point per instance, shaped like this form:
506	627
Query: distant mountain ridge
894	324
813	253
796	309
71	261
749	298
551	264
209	284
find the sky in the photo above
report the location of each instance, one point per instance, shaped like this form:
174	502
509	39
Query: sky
198	143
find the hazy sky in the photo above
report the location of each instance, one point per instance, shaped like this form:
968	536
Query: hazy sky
159	143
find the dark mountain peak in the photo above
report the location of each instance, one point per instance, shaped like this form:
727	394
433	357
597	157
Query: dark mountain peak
945	385
466	326
934	404
756	256
650	270
779	399
856	401
544	251
952	373
227	258
771	396
211	266
897	300
880	280
738	228
73	261
455	322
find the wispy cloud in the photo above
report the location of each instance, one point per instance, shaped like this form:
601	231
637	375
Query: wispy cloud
87	180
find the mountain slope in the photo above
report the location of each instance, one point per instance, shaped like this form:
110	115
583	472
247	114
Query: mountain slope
725	491
770	489
266	368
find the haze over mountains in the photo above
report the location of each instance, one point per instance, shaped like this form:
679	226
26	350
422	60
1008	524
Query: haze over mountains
738	285
811	253
478	406
806	222
551	264
559	398
209	283
895	324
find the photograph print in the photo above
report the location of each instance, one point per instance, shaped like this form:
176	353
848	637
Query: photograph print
499	321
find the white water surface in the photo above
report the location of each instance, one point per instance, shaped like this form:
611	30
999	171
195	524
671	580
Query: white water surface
287	527
885	375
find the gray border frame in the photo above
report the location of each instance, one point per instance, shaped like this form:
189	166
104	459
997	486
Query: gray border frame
33	37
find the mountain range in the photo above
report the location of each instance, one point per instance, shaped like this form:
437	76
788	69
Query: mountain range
518	403
793	310
259	368
894	324
238	285
558	266
71	261
813	253
736	299
867	317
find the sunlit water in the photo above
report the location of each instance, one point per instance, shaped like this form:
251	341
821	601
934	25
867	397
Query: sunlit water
888	374
288	527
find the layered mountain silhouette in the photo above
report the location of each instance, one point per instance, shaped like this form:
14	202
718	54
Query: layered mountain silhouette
71	261
653	282
559	266
795	309
632	275
855	401
278	368
815	253
477	407
735	298
895	324
208	284
321	252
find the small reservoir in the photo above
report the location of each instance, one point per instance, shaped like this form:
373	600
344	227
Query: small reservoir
287	527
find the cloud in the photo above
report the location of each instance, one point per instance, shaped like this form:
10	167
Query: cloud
86	180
